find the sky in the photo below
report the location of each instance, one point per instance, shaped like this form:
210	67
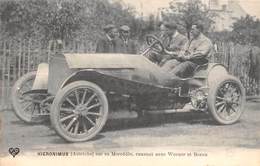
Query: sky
252	7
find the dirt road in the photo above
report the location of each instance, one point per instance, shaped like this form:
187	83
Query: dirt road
181	129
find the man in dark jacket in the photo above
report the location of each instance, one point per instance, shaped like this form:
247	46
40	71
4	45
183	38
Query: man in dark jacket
127	45
108	44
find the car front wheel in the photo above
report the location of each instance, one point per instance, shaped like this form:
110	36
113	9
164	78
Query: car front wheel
79	111
226	100
25	106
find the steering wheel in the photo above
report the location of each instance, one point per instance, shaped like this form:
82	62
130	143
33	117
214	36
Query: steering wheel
154	43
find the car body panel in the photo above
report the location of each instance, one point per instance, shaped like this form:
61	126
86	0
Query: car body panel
203	71
120	72
108	61
117	84
41	80
58	72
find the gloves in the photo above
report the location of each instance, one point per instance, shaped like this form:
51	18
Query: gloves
183	58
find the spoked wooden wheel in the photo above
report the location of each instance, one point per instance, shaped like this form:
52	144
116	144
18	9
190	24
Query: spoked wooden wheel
79	111
25	106
226	100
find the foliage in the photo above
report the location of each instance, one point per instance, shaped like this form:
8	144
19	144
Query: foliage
40	18
187	13
63	19
246	31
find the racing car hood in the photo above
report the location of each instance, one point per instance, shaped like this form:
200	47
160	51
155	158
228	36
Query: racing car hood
127	66
108	61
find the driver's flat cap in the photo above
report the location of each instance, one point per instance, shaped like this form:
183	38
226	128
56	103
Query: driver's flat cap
108	27
169	24
125	28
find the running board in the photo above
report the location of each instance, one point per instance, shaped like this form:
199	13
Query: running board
38	91
168	111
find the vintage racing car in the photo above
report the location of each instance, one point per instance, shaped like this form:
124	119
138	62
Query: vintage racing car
78	90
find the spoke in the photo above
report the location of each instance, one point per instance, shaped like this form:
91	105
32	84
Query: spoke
221	91
70	129
228	110
94	113
71	123
84	125
91	121
67	117
66	110
77	96
233	109
27	98
67	99
27	106
221	108
30	100
76	129
234	102
34	108
90	99
220	98
93	106
21	101
233	90
220	103
84	96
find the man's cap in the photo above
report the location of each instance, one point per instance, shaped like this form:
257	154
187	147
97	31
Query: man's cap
125	28
199	25
169	25
108	27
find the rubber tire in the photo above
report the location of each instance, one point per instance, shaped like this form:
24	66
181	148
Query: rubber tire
54	113
15	103
212	98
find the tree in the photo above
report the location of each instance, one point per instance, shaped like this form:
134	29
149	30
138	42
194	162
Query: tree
187	13
41	18
63	19
17	18
246	30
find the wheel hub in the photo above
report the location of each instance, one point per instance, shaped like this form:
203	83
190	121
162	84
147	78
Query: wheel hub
228	100
80	109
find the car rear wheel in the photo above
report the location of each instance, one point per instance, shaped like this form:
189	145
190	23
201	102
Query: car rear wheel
79	111
24	104
226	100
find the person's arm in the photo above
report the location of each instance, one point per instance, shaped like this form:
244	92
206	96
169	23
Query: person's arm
171	54
201	52
177	43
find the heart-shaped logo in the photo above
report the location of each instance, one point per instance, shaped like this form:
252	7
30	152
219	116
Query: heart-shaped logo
14	151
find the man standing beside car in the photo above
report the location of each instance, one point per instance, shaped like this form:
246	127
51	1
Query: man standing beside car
127	45
108	44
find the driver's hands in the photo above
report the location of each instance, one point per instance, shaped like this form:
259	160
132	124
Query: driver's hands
182	57
167	57
163	62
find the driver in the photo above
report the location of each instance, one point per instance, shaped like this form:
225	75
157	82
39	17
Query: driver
195	52
171	39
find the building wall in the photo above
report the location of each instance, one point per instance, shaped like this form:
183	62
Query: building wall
227	13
